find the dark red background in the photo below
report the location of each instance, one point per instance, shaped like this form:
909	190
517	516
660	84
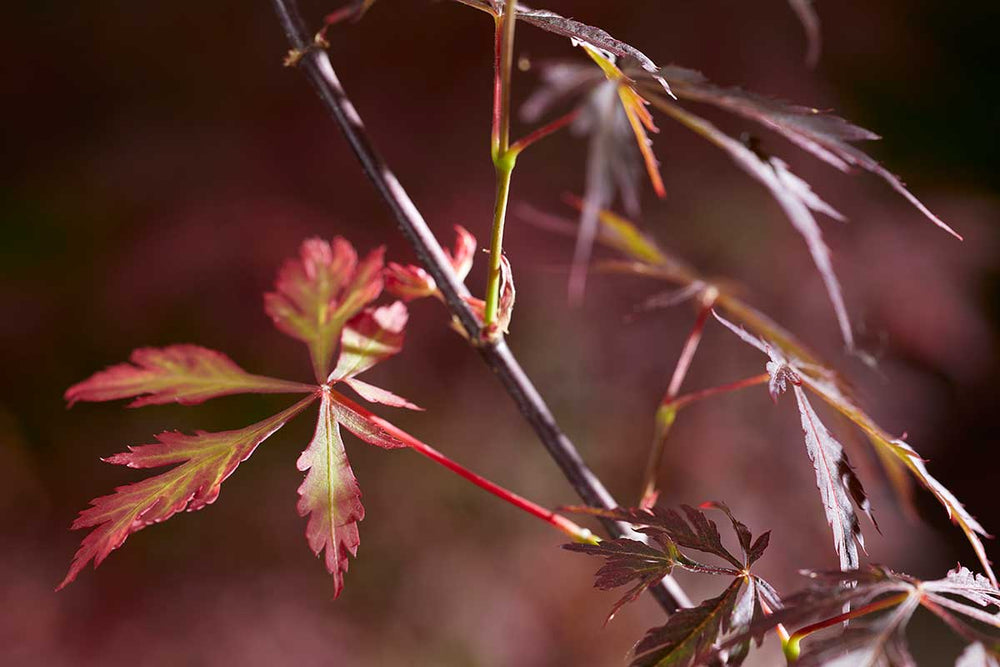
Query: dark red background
160	163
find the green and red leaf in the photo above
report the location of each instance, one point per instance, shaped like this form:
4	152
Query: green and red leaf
186	374
205	461
330	495
317	293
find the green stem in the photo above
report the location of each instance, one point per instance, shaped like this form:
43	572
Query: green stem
505	169
503	158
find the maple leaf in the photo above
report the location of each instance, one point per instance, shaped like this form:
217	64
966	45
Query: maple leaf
839	487
824	135
882	603
204	461
371	337
824	384
187	374
330	495
318	292
689	634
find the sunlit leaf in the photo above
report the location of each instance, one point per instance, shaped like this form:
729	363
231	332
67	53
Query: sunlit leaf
330	496
318	292
371	337
187	374
204	461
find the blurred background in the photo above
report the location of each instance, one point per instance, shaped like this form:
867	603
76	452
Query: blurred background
160	165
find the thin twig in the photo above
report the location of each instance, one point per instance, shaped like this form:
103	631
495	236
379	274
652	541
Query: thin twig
316	64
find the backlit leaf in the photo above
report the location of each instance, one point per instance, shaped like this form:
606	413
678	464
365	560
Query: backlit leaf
204	461
371	337
187	374
330	496
317	293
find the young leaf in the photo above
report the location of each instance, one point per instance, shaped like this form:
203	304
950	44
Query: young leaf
187	374
410	282
825	136
371	337
316	294
330	496
688	635
205	461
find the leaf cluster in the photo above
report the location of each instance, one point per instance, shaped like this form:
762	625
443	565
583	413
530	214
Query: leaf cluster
690	635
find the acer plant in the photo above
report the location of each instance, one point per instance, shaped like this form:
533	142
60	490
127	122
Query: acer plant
351	313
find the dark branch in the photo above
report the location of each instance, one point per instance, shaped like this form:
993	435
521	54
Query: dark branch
317	67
